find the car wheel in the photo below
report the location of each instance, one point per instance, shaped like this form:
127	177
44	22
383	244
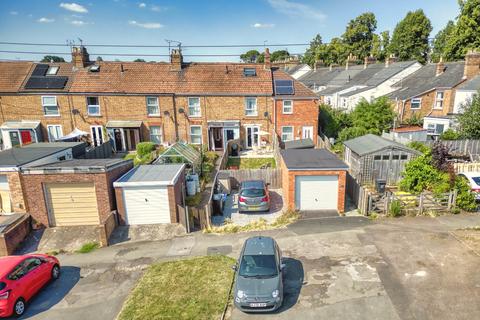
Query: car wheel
19	307
55	272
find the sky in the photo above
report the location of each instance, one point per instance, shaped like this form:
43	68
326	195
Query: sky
193	22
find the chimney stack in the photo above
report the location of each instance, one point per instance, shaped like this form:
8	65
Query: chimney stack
351	60
176	60
390	60
80	57
318	64
472	64
440	67
369	60
267	62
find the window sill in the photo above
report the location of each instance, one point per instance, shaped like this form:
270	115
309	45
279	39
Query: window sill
52	115
251	115
154	115
94	115
196	116
287	112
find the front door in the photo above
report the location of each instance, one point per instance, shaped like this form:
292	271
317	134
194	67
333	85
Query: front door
307	133
117	136
14	138
252	137
26	136
97	135
217	136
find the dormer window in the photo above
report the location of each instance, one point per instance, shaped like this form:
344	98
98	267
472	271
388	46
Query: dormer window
249	72
52	71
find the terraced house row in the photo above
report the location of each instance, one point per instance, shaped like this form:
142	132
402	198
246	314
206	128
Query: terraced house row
131	102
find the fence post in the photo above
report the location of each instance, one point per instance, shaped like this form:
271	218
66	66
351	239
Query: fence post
454	201
386	204
420	204
370	204
450	198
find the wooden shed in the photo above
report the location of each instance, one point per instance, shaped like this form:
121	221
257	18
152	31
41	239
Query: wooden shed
371	157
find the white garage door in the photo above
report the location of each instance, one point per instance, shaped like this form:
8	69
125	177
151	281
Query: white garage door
146	205
316	192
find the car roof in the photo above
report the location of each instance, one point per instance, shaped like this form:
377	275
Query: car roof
471	174
253	184
259	246
8	263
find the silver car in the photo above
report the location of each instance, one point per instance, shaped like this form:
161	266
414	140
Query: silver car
253	196
258	278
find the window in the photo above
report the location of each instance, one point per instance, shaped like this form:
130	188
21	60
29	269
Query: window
287	133
344	102
250	106
156	134
403	157
416	103
194	107
249	72
376	158
435	128
52	71
287	106
54	132
396	157
152	106
385	157
439	100
50	107
196	134
93	106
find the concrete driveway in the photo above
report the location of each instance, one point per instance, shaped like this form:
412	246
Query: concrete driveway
337	268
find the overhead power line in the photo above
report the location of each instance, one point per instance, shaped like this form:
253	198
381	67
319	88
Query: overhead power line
125	54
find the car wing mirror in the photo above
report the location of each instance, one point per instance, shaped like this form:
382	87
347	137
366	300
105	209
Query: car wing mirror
234	267
283	266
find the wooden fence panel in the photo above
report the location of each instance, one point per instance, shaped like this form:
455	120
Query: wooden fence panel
272	176
358	194
467	167
103	151
464	147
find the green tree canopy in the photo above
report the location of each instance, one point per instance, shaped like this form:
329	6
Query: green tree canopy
466	34
334	52
52	58
410	37
309	57
332	121
468	121
441	40
139	60
358	35
251	56
279	55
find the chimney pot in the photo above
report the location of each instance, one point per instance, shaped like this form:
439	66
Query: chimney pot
472	64
267	64
440	67
80	57
318	64
390	60
369	60
176	60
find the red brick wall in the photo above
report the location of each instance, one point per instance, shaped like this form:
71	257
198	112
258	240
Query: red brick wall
16	191
10	239
120	206
428	101
305	114
288	181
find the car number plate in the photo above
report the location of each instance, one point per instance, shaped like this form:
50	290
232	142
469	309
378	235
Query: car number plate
258	305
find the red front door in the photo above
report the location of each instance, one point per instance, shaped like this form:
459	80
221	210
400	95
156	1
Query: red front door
26	136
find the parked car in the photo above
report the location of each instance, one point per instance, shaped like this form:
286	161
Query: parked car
473	179
258	278
21	277
253	196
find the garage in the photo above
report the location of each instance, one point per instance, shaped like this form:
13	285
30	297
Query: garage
313	179
151	194
71	204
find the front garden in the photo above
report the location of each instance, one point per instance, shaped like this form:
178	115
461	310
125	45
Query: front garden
250	163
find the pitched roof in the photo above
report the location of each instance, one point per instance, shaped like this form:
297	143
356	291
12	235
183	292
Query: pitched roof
158	78
424	80
65	69
470	85
12	75
372	143
292	69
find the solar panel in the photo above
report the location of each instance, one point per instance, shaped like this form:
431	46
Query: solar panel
284	87
40	70
46	83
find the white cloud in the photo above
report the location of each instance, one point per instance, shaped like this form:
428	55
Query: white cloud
142	5
146	25
157	8
45	20
296	9
75	7
79	23
263	25
13	13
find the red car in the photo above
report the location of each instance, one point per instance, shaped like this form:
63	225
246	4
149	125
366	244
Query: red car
21	277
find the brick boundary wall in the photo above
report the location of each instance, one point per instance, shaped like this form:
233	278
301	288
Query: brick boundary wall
14	235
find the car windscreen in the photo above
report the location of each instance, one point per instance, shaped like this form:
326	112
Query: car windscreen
258	266
2	285
476	180
253	193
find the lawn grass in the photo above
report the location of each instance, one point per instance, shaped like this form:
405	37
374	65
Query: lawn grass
88	247
250	163
185	289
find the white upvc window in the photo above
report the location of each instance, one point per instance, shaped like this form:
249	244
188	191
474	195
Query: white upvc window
50	106
416	103
194	107
93	106
251	106
54	132
196	134
435	128
287	106
156	134
51	71
287	133
439	100
153	109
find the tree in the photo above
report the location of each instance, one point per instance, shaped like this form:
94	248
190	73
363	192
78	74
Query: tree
359	33
410	37
279	55
309	57
441	40
332	121
52	59
139	60
466	33
469	126
99	59
334	52
251	56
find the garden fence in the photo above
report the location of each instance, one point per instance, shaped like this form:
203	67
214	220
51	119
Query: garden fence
467	167
269	175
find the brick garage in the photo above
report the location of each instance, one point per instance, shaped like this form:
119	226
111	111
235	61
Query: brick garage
151	194
97	172
13	229
313	179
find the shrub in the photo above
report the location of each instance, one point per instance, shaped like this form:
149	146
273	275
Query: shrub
395	208
449	134
465	198
416	145
144	149
419	175
210	156
88	247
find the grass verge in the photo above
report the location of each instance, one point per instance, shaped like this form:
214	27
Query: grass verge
285	219
185	289
88	247
250	163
